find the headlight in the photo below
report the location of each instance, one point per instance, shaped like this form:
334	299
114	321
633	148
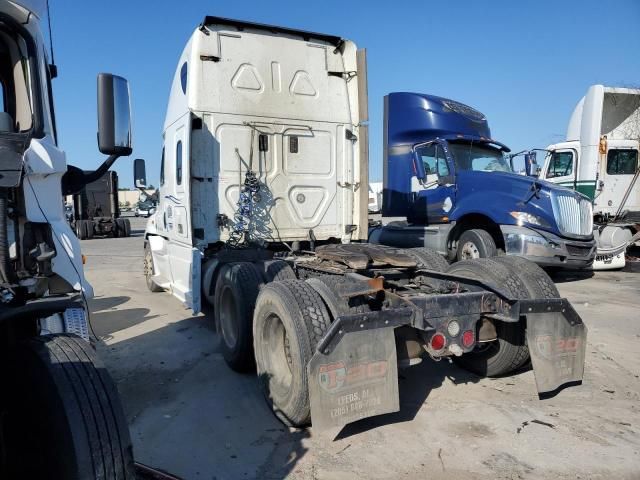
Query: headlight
530	218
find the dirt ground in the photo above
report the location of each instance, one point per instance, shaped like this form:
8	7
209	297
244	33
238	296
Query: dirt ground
193	417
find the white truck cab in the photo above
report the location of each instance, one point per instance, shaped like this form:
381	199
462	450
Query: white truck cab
221	123
60	415
600	159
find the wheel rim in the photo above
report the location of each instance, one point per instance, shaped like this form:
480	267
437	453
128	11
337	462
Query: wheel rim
227	313
278	357
469	251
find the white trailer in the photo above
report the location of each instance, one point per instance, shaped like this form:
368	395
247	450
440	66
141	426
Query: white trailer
263	211
600	159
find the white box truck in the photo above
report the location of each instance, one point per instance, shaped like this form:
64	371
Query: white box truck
600	159
263	209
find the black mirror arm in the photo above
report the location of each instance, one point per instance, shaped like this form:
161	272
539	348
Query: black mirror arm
75	178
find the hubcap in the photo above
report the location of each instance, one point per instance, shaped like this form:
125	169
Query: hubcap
469	251
227	312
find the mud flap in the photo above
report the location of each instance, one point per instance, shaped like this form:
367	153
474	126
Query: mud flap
557	347
356	380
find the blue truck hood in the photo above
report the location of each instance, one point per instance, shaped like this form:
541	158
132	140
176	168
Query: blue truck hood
496	194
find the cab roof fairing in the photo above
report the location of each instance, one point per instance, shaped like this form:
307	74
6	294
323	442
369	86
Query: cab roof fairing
415	117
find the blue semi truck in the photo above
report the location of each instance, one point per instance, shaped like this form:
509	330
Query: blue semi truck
454	190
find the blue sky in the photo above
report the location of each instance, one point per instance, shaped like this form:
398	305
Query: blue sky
524	64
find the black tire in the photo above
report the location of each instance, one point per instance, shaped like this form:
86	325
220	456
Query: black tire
327	287
509	351
475	243
62	415
120	227
127	227
237	288
428	258
535	278
277	270
289	321
149	270
81	230
89	228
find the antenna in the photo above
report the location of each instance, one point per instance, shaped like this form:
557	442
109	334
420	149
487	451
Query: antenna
53	70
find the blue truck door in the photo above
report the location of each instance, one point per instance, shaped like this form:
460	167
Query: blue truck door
433	188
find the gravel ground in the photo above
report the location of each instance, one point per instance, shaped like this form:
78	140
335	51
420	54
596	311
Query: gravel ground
191	416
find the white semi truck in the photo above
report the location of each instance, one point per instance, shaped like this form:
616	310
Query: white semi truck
263	212
600	159
60	415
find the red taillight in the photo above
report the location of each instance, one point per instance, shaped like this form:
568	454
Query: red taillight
438	341
468	338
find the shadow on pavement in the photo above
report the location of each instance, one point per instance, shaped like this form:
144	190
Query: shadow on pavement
189	414
415	383
562	276
106	318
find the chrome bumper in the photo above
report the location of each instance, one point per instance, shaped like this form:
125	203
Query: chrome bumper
547	249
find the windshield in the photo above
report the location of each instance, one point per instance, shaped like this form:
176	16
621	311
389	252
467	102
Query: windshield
478	157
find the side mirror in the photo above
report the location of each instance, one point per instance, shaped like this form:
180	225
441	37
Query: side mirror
530	164
114	115
419	167
139	173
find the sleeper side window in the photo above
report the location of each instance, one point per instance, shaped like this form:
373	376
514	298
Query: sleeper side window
179	163
162	168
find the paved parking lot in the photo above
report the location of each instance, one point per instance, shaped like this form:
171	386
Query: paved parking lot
192	416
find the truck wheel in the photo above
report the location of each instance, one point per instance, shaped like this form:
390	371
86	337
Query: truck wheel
289	321
81	229
127	227
120	229
89	229
476	243
535	278
275	270
427	258
148	270
236	290
327	287
62	415
509	351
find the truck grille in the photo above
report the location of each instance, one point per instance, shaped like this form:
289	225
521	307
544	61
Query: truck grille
573	214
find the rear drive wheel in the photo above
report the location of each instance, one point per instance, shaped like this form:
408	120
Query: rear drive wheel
427	258
289	321
275	270
236	290
476	243
538	283
89	229
127	227
61	415
535	278
81	229
509	351
149	271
